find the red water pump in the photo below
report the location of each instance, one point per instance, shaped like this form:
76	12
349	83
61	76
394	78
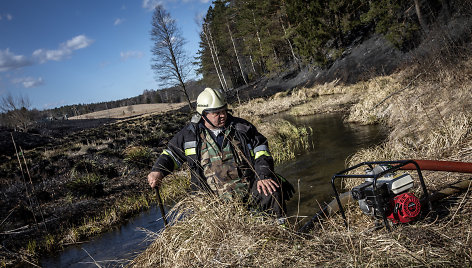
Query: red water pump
384	194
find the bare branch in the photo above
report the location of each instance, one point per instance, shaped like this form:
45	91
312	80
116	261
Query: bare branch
171	63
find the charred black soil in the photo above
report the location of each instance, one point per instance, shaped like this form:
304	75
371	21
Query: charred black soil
60	178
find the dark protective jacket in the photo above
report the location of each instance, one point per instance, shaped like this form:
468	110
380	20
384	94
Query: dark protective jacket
256	163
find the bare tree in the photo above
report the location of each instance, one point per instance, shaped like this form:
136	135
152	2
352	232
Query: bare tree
16	113
171	64
419	14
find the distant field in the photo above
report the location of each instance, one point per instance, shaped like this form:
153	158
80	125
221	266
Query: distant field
133	110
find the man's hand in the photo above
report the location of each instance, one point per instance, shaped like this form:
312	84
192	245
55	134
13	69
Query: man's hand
155	178
267	186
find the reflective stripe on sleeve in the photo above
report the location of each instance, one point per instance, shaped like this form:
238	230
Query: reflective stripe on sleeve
261	150
190	144
190	151
169	153
190	148
261	153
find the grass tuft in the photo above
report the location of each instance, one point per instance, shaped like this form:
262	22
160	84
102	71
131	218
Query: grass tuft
138	156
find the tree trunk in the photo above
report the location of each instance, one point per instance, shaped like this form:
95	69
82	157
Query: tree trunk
236	53
179	77
252	64
260	43
421	20
205	29
225	86
295	59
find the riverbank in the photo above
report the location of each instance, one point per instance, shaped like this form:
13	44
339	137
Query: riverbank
79	183
428	111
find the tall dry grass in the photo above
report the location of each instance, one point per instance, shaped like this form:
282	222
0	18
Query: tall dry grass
212	233
287	101
428	112
430	117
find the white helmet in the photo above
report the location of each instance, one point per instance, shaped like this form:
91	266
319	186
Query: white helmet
210	100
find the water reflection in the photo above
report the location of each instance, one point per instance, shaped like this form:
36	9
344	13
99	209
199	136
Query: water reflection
311	172
113	249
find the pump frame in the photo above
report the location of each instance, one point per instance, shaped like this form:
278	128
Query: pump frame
395	165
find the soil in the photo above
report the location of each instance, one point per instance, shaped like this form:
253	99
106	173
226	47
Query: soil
56	190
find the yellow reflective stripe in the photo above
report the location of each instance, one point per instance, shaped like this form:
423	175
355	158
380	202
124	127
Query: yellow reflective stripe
261	153
190	151
252	153
176	166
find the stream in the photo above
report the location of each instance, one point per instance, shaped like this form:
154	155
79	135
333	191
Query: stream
310	173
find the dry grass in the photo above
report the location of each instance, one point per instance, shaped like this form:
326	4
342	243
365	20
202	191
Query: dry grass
212	233
430	120
284	101
285	138
429	117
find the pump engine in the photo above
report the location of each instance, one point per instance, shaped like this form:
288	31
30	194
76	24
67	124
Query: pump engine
390	196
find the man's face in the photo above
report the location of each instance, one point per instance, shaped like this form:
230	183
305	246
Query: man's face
217	118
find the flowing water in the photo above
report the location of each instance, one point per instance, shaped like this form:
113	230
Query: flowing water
112	249
310	172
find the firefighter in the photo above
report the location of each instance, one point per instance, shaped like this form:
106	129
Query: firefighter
227	157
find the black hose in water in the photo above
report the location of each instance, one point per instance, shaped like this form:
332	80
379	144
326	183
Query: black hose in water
326	211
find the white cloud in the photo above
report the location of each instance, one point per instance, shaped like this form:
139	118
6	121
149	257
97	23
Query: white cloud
151	4
131	54
64	50
78	42
10	61
118	21
29	82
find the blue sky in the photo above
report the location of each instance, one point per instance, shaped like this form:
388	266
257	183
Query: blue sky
62	52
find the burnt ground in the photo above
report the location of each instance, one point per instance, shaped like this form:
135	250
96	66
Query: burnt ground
74	170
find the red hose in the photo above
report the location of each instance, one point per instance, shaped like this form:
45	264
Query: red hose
450	166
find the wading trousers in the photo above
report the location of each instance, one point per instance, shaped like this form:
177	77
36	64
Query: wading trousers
272	204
